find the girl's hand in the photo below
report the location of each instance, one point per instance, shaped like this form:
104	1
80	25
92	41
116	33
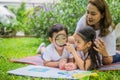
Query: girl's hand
100	47
71	39
70	47
62	63
70	66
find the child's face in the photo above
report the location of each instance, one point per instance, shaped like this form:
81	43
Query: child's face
53	39
81	45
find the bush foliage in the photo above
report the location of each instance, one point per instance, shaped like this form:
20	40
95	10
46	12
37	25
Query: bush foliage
37	20
66	12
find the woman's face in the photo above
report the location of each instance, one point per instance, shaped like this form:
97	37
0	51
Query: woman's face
93	15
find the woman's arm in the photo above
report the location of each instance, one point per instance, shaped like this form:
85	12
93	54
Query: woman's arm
80	24
107	60
101	48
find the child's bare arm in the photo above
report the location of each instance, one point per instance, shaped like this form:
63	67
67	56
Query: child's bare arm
87	64
58	64
71	60
83	65
51	64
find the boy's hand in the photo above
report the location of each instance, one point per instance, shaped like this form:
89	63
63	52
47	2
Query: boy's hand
70	66
62	63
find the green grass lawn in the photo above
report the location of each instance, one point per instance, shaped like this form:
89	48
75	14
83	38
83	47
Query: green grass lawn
22	47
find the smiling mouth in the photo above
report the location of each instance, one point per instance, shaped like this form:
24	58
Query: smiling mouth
90	20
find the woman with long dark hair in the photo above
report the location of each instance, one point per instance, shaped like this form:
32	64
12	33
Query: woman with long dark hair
99	18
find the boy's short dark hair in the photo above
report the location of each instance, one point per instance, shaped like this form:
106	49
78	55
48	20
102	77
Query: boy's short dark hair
56	28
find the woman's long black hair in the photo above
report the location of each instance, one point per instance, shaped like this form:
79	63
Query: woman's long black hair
89	34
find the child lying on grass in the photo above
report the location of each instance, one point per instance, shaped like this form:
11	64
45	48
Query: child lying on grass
55	54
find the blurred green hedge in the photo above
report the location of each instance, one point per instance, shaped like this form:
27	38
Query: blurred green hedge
37	20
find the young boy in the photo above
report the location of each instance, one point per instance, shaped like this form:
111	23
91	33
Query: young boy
55	54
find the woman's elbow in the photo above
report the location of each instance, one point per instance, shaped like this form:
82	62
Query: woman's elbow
107	60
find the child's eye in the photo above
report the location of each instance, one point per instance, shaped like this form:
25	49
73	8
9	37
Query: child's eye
93	14
64	38
77	41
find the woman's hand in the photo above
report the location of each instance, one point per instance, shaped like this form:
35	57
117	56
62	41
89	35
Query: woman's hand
70	66
100	47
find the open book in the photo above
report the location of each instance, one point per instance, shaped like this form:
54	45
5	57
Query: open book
48	72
